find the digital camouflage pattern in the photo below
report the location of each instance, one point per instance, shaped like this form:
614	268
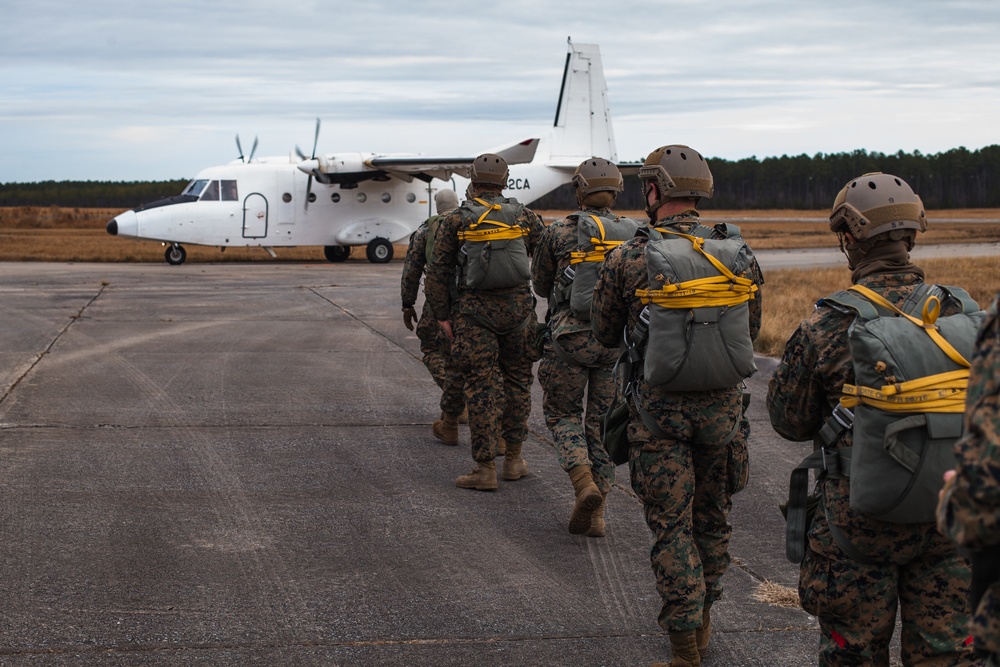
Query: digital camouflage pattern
493	336
970	508
913	567
434	345
575	427
689	520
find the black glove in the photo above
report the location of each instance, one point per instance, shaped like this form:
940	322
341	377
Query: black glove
409	317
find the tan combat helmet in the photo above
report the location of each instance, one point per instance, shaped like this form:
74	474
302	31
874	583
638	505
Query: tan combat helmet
877	203
678	171
597	175
489	169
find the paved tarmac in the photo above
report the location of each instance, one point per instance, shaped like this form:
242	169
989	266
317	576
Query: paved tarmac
232	464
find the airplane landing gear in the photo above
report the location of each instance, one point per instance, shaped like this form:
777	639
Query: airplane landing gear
379	251
336	253
175	254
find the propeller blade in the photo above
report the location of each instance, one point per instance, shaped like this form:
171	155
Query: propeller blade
309	185
252	150
302	156
240	148
316	138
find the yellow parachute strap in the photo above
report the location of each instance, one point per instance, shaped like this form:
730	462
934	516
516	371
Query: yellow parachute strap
601	246
501	232
932	308
944	392
725	290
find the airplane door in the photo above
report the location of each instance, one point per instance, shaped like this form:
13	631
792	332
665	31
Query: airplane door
254	216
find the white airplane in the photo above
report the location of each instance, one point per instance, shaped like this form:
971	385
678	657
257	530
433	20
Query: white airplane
342	200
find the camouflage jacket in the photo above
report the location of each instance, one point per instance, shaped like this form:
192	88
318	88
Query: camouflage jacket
441	271
970	508
550	260
413	265
616	308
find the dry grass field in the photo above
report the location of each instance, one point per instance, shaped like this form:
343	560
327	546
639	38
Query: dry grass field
77	235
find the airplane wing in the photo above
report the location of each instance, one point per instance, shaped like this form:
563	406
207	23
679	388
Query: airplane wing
427	168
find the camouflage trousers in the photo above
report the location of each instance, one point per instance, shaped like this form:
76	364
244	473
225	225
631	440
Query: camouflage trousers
497	372
576	427
436	349
914	570
683	480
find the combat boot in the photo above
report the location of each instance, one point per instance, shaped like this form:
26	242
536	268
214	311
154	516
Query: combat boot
482	478
588	497
704	634
683	650
501	447
514	467
597	524
446	430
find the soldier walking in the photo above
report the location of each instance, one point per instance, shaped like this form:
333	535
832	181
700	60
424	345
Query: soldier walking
857	570
490	317
564	270
434	345
690	336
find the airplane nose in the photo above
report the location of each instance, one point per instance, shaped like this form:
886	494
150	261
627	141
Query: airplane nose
125	224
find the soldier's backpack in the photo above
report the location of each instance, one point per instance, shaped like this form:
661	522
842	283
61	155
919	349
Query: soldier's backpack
905	411
696	323
494	254
432	226
596	235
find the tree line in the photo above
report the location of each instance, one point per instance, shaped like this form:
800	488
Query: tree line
958	178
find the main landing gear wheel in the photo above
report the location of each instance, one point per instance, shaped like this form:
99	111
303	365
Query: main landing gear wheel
175	254
379	251
336	253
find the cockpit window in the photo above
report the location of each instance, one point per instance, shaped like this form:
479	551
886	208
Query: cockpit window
211	193
195	187
229	192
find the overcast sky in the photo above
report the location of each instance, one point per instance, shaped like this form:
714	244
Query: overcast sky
127	90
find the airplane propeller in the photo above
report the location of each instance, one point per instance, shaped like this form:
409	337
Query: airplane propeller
313	158
253	149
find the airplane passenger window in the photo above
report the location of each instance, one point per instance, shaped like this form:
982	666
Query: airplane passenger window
410	197
311	197
362	197
194	188
287	197
386	197
229	192
335	197
211	193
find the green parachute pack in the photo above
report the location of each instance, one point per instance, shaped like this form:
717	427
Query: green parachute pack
596	235
432	226
905	410
494	253
696	322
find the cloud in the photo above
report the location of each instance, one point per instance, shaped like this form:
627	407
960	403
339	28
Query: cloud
179	80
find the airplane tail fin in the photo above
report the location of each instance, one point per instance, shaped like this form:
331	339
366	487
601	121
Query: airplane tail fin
582	127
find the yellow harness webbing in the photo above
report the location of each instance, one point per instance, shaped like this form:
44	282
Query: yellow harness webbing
727	289
601	246
942	392
502	231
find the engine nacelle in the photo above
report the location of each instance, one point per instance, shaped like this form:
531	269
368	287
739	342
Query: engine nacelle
340	163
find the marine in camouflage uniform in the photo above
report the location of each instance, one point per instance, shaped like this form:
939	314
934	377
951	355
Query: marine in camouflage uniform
686	479
574	363
910	567
493	334
969	511
434	345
